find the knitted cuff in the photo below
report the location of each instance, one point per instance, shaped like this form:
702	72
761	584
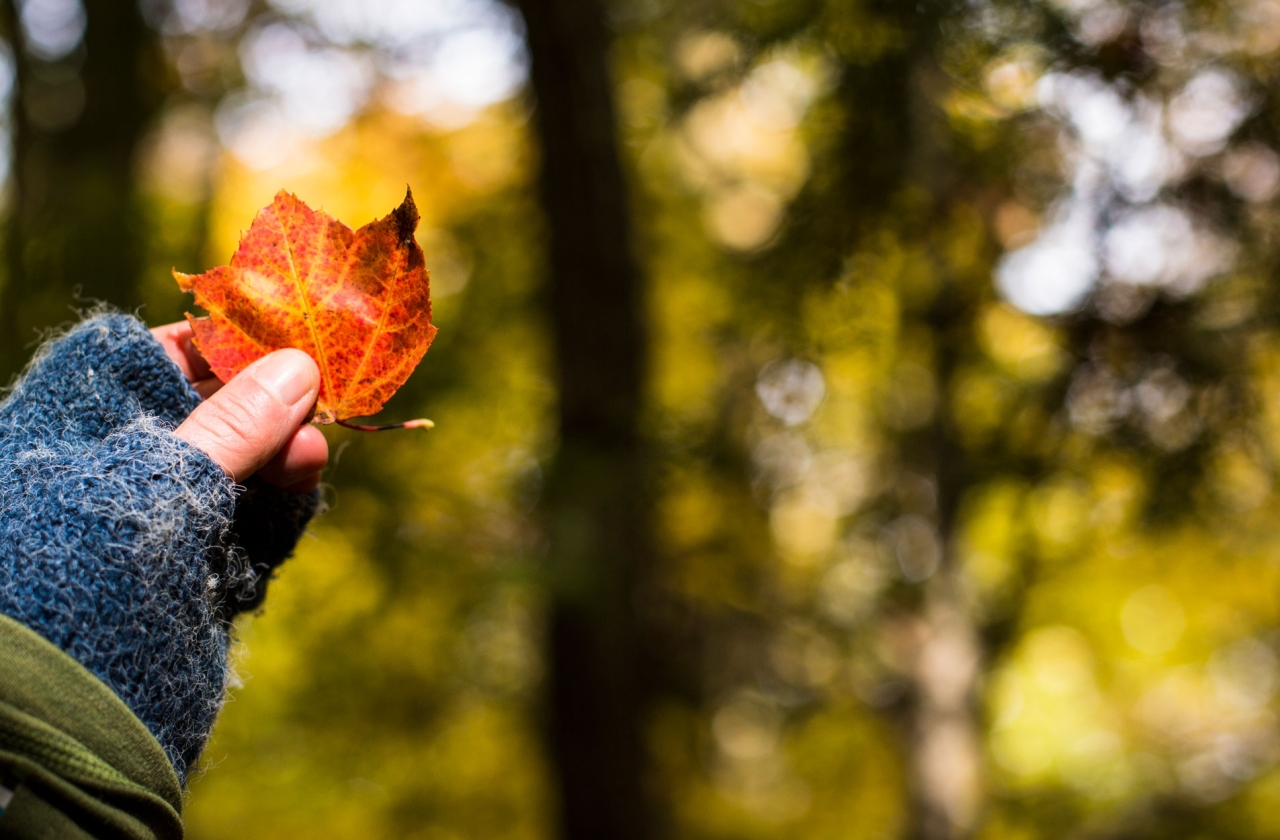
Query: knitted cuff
105	548
120	543
102	374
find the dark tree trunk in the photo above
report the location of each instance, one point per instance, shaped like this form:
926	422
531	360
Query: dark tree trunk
596	510
75	221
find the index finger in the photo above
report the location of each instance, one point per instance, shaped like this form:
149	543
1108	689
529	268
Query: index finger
177	344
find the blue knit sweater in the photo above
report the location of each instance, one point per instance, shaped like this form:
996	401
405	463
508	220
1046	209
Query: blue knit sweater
126	547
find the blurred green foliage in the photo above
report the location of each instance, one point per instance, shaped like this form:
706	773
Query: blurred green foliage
962	415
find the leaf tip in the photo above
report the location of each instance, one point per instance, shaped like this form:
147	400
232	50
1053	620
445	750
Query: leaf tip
406	217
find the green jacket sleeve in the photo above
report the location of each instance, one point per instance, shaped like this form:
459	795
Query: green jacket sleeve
74	761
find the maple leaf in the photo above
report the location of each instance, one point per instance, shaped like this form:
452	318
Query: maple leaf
358	302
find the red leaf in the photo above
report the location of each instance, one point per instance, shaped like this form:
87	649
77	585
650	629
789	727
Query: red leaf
358	302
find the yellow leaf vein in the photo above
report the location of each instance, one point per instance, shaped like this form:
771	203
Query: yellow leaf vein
308	316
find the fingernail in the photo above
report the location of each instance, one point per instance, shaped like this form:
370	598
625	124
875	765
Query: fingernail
288	376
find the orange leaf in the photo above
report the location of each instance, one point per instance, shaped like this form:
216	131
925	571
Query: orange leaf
358	302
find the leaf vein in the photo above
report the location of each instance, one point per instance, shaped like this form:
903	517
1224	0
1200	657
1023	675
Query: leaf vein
308	315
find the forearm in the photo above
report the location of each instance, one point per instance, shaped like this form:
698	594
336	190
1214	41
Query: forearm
121	544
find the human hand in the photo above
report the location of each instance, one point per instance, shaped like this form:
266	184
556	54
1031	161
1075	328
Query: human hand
253	424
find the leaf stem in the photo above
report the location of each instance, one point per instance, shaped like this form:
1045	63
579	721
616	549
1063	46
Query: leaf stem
422	423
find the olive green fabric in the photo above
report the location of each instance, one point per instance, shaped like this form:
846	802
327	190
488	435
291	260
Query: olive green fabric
80	763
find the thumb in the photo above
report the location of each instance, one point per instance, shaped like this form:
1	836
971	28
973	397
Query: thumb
244	424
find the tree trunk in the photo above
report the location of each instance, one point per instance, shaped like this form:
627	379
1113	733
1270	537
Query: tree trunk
75	222
596	511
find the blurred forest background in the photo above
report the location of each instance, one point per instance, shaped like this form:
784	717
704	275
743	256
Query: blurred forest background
855	418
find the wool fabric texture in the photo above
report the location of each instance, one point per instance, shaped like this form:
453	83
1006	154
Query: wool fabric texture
129	549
